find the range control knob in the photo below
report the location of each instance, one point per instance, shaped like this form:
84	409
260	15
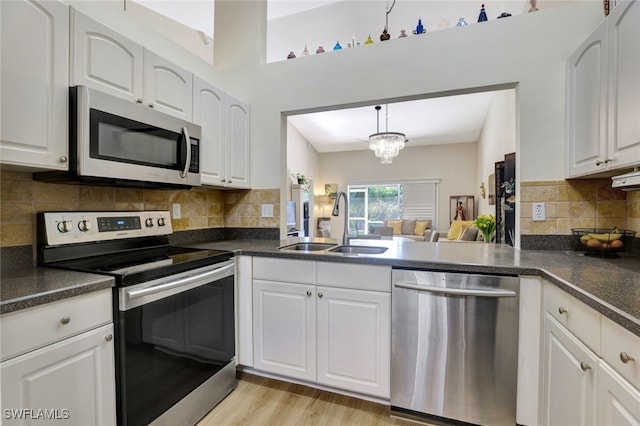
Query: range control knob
84	225
64	226
161	221
148	222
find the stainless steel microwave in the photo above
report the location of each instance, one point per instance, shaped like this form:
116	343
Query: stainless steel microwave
117	142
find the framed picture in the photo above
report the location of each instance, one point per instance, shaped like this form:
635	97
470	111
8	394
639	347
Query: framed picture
331	190
492	189
461	207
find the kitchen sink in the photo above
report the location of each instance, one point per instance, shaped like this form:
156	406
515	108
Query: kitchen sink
308	246
359	249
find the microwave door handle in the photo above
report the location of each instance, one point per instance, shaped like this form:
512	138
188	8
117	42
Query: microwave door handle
187	143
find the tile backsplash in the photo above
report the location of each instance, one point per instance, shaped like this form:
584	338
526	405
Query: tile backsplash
21	198
583	203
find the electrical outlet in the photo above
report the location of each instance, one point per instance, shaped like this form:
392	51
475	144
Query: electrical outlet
176	211
267	210
538	213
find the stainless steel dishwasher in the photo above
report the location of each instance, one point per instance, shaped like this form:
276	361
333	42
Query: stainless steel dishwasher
454	346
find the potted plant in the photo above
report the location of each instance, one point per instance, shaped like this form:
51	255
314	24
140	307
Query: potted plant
302	180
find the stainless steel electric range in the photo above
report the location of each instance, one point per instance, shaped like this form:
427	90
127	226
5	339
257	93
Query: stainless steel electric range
173	310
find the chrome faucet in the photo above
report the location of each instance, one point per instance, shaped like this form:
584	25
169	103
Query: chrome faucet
336	212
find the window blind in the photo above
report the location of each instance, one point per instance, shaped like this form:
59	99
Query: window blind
419	200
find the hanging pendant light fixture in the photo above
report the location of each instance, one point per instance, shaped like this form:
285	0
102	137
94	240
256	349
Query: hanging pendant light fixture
386	145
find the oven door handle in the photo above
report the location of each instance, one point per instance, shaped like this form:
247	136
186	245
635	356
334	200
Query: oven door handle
193	280
455	291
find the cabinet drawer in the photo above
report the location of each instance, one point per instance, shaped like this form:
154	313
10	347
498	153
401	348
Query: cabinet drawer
287	270
577	317
359	277
42	325
618	342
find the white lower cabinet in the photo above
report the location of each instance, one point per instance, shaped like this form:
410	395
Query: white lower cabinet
353	328
328	334
587	380
284	329
71	381
570	378
618	401
58	363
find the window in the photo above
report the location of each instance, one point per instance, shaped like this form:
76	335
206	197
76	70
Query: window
370	205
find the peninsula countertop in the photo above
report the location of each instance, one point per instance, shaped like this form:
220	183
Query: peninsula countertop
609	285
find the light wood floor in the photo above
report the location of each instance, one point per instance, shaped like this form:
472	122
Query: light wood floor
262	401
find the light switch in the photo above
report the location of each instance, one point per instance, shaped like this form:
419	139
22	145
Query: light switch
267	210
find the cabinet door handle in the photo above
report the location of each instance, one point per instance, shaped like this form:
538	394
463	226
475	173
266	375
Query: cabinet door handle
108	337
65	320
308	293
63	159
150	105
625	357
584	366
320	294
562	310
139	100
224	180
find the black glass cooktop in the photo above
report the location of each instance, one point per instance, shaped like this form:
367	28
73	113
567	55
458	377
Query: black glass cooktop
136	266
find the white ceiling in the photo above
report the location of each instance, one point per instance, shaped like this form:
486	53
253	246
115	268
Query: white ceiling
451	119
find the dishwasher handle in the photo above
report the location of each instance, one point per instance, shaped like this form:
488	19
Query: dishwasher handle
455	291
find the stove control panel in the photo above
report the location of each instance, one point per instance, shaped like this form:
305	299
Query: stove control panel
57	228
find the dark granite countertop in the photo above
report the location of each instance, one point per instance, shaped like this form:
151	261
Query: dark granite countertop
610	286
24	288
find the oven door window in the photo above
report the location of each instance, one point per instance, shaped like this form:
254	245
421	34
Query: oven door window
119	139
173	345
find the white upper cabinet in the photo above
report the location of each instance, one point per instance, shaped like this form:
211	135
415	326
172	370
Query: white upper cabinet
238	144
107	61
168	88
603	96
226	136
35	84
624	83
208	112
587	105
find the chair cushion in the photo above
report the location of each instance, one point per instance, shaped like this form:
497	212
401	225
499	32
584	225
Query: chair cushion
456	228
421	226
407	226
385	231
469	234
396	225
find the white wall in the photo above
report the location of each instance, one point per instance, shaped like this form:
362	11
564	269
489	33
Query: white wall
340	21
303	158
453	164
498	137
527	51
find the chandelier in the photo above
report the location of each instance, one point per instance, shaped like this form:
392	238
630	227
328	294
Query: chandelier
386	145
